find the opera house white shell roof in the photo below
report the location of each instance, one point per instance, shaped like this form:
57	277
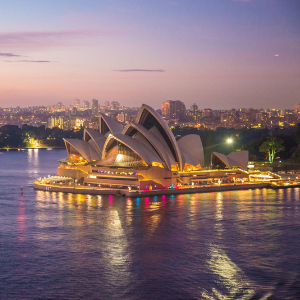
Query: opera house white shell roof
234	159
146	142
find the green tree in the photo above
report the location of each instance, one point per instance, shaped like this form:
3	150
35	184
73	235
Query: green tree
271	146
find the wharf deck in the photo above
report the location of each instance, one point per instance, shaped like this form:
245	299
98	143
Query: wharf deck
142	193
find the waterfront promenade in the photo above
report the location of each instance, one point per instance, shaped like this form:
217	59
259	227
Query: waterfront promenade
79	189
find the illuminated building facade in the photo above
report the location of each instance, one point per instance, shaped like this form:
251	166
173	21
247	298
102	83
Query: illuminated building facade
142	155
56	122
77	104
173	109
86	104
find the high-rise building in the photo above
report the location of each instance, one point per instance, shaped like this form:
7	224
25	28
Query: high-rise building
114	105
86	104
77	104
56	122
165	110
173	109
106	105
95	107
194	108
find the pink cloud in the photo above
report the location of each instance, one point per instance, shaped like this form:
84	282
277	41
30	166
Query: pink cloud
30	61
23	38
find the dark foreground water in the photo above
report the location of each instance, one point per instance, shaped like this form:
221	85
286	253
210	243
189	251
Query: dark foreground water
225	245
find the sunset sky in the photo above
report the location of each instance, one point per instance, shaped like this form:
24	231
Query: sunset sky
218	54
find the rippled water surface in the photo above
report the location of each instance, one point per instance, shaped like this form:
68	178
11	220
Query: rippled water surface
224	245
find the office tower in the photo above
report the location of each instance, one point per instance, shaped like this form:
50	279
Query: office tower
165	110
173	109
86	104
56	122
194	108
95	107
77	104
114	105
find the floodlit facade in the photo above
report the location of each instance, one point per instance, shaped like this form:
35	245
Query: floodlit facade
143	155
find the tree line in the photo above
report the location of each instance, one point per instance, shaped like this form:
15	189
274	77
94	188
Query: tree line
13	136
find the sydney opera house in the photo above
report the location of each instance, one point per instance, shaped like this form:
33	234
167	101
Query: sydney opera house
144	155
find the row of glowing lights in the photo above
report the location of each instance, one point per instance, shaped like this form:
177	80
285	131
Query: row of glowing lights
56	176
150	187
118	173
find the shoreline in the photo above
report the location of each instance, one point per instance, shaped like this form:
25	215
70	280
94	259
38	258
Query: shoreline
26	148
190	190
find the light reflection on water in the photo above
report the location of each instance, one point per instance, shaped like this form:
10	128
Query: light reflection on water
223	245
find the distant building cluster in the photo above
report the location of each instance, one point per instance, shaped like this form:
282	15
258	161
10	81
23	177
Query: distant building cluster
64	117
86	114
175	113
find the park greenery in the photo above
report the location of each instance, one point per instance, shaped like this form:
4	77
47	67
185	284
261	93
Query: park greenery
262	144
272	146
12	136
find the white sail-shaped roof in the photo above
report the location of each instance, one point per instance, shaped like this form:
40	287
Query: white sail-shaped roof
222	157
192	144
137	131
159	137
239	159
83	148
109	125
143	151
189	159
148	117
234	159
95	139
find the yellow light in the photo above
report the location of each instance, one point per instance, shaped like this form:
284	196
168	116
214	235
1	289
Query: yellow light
229	140
119	157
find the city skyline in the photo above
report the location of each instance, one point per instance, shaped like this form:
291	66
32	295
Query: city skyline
220	54
176	113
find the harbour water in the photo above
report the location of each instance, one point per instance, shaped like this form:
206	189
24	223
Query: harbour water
224	245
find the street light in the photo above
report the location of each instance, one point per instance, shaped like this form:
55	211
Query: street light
229	141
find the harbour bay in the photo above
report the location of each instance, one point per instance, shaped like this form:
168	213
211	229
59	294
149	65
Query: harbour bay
234	244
